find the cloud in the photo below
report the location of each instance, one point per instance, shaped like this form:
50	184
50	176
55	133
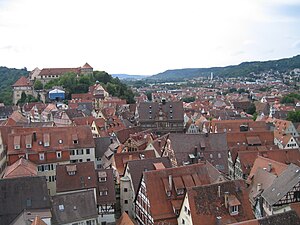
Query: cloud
6	47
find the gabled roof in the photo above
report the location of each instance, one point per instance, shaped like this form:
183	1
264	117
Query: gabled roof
157	183
38	221
137	167
121	159
73	207
17	195
107	185
271	166
21	168
58	71
87	66
84	177
206	205
125	220
212	145
23	81
149	111
282	184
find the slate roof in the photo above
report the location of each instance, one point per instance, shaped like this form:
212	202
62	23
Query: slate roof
172	110
214	144
102	144
68	208
137	167
17	195
6	111
282	184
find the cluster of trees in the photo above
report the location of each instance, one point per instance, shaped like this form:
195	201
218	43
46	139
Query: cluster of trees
76	85
8	77
294	116
290	98
27	98
188	99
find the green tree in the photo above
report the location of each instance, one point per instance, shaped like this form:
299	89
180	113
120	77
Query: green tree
294	116
251	109
38	85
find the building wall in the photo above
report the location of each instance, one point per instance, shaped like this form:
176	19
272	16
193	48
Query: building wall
185	216
2	157
17	92
82	155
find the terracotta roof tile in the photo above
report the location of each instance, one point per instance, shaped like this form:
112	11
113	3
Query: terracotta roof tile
21	168
23	81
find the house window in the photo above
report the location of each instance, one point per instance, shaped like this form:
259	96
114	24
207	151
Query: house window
125	190
102	179
58	155
79	151
211	156
28	146
103	193
185	208
183	222
234	209
17	147
72	152
189	212
75	141
60	141
88	160
87	151
42	156
297	195
126	201
219	155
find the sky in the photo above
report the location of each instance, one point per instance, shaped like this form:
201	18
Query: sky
146	37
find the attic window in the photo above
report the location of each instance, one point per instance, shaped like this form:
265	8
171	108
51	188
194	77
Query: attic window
150	106
61	207
60	141
102	176
75	138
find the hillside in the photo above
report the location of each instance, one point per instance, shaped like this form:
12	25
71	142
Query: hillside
243	69
128	76
9	76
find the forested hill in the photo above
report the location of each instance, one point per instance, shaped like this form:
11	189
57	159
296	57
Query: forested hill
243	69
9	76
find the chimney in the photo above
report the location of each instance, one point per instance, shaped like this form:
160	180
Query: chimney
269	167
219	220
226	195
34	136
170	182
130	158
258	187
219	191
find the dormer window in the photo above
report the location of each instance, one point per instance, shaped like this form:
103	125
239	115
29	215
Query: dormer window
28	146
75	138
71	169
17	140
102	176
41	156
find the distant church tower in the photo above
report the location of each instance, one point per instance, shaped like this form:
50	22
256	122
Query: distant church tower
211	76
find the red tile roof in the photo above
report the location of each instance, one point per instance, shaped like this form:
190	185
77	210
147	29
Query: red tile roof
21	168
157	183
23	81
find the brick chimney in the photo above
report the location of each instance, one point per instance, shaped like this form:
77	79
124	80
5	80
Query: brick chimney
226	196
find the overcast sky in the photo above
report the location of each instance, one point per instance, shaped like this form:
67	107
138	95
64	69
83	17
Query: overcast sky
146	37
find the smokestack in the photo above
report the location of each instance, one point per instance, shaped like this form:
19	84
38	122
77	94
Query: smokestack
226	195
170	182
258	187
269	167
218	220
219	191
